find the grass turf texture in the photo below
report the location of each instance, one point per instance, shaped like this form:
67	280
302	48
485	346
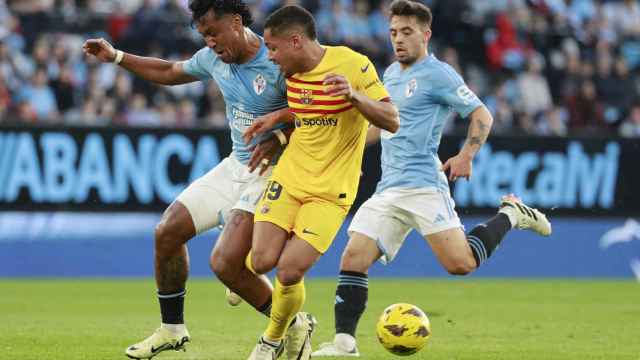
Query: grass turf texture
471	319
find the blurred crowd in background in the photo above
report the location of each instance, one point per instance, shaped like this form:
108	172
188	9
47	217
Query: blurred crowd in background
543	67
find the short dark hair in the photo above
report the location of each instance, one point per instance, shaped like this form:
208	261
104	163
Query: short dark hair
200	8
412	8
290	16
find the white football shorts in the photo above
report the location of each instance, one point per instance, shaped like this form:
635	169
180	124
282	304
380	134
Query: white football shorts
389	216
227	186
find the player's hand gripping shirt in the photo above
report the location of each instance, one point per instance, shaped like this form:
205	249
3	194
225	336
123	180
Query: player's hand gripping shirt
324	156
426	94
250	90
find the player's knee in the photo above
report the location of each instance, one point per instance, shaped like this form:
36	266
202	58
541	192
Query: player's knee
164	239
289	276
225	269
173	231
461	266
352	261
262	263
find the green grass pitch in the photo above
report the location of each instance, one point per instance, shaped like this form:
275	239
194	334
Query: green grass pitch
471	319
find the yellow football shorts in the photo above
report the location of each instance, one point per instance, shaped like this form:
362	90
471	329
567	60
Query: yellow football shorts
315	220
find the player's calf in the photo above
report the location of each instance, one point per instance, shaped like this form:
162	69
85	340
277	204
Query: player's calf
513	213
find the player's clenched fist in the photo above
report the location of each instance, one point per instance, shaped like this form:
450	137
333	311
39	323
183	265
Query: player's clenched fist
99	48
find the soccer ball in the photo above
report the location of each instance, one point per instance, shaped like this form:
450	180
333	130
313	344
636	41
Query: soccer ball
403	329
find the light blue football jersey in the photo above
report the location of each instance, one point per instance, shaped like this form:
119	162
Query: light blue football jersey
426	95
250	90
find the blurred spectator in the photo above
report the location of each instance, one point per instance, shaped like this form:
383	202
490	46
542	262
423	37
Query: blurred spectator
534	90
64	90
547	67
505	49
585	111
631	126
5	99
553	122
500	106
40	96
138	114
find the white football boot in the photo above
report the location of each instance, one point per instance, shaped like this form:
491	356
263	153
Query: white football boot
162	339
266	351
298	337
525	218
342	345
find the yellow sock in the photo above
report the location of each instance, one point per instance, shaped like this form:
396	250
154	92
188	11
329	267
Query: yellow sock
248	264
287	301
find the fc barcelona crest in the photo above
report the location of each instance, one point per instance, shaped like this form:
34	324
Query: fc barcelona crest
306	96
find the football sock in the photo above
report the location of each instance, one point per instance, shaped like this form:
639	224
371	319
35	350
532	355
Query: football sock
172	307
485	238
265	309
248	264
351	300
287	301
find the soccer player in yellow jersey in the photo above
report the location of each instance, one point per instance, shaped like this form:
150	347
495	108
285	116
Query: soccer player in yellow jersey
332	91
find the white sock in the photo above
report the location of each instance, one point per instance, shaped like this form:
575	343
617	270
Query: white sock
345	341
174	328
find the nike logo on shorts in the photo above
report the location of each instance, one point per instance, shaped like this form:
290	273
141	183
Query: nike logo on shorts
306	231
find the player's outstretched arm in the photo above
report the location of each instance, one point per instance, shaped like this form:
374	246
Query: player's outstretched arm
152	69
479	128
382	114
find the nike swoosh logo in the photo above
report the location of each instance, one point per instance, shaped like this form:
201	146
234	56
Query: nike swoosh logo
165	346
364	69
305	231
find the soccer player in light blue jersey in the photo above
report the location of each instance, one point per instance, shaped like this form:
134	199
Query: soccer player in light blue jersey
253	87
413	192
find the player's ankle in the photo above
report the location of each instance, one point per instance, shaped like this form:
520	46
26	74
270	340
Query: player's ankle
345	341
272	342
510	213
174	328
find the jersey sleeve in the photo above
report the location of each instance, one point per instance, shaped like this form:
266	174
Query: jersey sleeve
451	90
196	65
368	81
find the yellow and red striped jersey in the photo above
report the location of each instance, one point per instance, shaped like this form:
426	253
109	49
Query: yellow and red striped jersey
324	157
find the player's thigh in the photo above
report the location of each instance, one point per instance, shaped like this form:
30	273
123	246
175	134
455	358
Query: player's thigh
234	243
318	221
209	197
432	212
297	258
274	220
269	240
383	224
